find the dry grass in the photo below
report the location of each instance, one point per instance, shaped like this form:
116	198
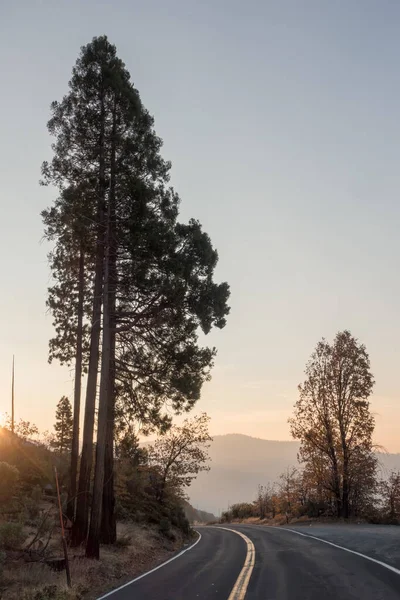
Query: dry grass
253	520
303	519
277	520
141	549
280	520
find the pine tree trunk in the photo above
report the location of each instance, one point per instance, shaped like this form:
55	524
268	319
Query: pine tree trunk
108	521
77	390
81	525
108	524
93	542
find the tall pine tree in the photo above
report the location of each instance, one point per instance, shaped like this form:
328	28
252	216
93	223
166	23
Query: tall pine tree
152	277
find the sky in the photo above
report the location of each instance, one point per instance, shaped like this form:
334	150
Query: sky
282	122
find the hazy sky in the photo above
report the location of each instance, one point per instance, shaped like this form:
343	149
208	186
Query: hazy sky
282	121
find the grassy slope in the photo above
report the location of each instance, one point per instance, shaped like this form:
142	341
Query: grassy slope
140	548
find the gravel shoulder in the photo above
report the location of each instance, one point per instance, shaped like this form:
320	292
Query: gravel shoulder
381	542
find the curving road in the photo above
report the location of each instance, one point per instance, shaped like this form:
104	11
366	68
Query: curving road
273	564
209	569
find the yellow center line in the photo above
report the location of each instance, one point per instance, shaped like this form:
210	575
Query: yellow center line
240	588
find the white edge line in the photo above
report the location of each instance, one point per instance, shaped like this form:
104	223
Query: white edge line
152	570
378	562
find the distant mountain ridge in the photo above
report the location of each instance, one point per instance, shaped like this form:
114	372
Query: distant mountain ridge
240	462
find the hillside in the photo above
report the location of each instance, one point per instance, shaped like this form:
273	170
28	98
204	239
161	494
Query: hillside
34	461
194	515
240	462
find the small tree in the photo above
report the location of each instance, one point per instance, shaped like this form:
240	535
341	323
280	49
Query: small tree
263	504
260	504
332	418
24	429
181	454
288	492
63	427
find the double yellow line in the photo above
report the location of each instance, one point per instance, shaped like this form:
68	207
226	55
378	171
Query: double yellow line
240	588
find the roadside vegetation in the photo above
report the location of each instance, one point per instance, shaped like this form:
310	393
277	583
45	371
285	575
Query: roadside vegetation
338	475
152	514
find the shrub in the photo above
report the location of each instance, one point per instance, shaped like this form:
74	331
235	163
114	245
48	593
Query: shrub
11	536
179	520
9	476
226	517
122	513
164	526
32	510
123	542
37	494
242	510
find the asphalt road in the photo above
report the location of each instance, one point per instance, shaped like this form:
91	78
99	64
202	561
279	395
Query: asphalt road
209	570
378	541
287	567
293	567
